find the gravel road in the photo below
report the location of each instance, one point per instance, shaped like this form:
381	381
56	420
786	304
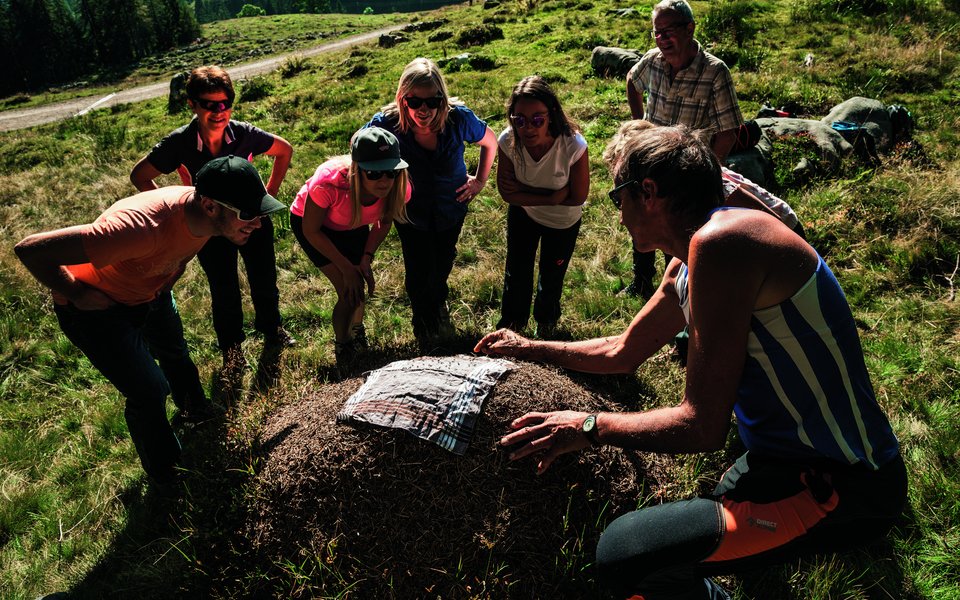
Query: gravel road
38	115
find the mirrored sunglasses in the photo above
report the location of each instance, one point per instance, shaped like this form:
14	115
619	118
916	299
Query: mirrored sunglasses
241	216
214	106
536	121
375	175
416	102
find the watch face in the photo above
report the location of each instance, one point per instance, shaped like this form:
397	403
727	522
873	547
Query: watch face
589	424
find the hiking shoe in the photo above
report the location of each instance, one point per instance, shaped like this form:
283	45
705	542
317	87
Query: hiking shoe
638	289
168	487
281	338
546	330
233	359
346	353
360	336
198	411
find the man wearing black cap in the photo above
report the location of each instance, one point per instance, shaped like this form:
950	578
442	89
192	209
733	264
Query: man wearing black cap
111	282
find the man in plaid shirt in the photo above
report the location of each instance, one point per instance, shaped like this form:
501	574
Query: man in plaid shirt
684	85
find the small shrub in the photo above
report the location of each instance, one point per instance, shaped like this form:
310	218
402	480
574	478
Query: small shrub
368	10
293	65
440	36
553	77
250	10
477	36
255	88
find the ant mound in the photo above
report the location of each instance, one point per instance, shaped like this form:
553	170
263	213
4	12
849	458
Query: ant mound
380	512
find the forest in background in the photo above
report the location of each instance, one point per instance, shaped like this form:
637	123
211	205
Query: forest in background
58	42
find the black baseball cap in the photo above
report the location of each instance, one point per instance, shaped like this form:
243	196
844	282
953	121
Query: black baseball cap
235	182
376	149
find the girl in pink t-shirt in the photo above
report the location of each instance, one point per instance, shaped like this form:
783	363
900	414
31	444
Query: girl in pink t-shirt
332	217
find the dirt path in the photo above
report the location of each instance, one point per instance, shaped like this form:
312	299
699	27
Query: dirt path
39	115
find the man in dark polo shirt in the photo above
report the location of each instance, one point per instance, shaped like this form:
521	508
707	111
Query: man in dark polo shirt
211	134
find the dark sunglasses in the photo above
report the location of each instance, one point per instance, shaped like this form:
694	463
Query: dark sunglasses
536	121
214	106
416	102
615	192
375	175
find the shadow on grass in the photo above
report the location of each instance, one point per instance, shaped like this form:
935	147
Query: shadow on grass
170	547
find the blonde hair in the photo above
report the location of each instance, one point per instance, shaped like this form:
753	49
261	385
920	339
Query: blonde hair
421	72
394	203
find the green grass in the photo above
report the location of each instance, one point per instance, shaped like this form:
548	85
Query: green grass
74	511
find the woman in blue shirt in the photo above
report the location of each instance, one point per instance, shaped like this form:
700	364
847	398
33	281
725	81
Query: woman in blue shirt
432	128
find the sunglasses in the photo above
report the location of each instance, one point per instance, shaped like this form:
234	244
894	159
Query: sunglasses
536	121
375	175
416	102
614	194
668	32
241	216
214	106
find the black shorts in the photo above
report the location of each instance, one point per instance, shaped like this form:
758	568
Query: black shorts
350	243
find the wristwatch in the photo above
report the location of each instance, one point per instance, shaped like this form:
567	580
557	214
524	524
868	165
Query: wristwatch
589	429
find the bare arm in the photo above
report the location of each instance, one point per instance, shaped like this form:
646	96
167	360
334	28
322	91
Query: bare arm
516	193
143	174
635	100
723	142
579	183
378	233
475	183
282	152
726	289
46	254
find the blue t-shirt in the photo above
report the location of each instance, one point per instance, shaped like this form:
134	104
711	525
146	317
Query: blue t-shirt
436	174
184	146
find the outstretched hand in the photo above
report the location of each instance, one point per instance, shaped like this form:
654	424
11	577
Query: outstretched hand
503	342
553	433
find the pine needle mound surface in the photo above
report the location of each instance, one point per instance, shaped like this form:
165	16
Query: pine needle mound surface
391	514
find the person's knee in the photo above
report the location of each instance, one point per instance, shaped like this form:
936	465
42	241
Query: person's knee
655	539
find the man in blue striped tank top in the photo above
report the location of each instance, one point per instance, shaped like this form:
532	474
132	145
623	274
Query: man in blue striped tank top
773	341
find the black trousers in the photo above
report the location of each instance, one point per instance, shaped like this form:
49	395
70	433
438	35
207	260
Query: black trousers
427	260
524	235
218	257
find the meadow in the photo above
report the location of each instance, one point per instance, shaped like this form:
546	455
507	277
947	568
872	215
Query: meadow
76	511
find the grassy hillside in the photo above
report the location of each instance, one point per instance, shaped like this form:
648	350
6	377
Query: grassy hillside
76	512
